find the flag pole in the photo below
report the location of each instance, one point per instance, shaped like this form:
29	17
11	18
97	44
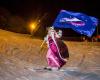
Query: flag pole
42	44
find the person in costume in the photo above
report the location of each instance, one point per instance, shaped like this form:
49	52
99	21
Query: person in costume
57	54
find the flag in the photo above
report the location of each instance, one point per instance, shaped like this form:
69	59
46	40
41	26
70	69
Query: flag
79	22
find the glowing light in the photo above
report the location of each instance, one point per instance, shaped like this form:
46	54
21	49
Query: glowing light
32	26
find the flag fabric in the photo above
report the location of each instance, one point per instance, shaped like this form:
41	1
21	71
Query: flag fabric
79	22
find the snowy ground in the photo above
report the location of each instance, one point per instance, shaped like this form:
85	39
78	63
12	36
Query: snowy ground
20	54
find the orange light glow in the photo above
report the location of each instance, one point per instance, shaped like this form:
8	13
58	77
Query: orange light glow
32	26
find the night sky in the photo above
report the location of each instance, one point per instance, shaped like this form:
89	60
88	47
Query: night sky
30	8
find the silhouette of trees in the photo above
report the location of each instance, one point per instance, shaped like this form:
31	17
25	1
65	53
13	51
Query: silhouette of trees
12	22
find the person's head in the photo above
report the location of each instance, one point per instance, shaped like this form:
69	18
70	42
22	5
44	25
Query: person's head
50	29
59	33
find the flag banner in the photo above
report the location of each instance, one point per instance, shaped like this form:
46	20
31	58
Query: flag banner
79	22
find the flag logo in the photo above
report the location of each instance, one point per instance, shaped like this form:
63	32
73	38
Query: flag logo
74	21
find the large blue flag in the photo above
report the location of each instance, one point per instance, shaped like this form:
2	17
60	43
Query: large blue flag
79	22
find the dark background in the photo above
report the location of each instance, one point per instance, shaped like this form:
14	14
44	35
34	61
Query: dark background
28	8
31	9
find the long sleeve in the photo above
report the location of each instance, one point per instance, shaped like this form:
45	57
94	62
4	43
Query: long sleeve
46	39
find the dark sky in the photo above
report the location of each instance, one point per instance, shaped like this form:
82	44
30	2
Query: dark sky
28	8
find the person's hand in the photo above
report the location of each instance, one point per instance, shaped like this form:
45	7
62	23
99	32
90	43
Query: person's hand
45	38
65	60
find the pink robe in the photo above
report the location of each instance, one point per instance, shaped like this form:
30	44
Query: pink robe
54	59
